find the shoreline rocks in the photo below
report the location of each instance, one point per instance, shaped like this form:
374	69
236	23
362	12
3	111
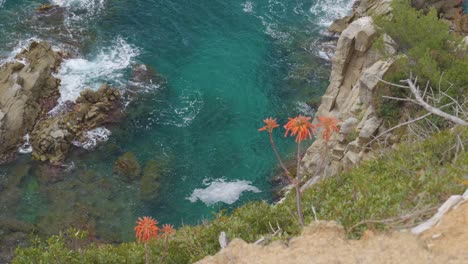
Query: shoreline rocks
52	137
24	84
29	91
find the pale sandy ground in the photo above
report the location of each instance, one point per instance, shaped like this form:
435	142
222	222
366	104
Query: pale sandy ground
325	242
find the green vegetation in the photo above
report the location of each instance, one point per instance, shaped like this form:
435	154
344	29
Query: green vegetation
427	49
418	175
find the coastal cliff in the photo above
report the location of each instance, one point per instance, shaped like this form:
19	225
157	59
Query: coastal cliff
358	66
356	71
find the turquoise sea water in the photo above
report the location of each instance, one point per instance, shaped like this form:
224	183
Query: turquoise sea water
227	65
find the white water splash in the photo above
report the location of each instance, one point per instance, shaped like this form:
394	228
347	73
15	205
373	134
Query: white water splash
304	109
221	191
326	11
100	134
2	2
247	7
26	147
109	65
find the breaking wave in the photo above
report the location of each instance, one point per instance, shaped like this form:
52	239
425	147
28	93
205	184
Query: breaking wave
109	65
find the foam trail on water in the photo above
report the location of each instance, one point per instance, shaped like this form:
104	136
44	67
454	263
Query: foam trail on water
109	65
326	11
222	191
2	2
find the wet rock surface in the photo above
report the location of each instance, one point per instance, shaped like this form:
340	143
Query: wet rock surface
25	83
52	137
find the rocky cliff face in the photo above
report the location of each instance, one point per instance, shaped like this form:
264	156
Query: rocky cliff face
28	91
356	70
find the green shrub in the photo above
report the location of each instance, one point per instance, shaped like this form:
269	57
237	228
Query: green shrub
427	49
422	175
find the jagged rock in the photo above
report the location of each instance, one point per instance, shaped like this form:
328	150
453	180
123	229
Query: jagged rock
52	137
127	166
348	125
369	129
370	78
340	24
373	7
356	71
23	86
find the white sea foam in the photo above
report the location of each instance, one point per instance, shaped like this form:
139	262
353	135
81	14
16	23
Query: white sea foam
109	65
247	7
26	147
2	2
100	134
304	109
326	11
222	191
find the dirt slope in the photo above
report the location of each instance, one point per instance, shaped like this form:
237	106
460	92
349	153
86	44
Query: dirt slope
325	242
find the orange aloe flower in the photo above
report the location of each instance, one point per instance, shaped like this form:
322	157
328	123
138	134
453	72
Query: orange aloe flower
270	124
329	125
167	230
301	126
146	229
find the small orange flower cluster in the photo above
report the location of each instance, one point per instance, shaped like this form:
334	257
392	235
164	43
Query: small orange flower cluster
147	229
302	128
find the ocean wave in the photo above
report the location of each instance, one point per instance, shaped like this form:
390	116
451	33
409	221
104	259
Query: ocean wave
326	11
221	191
109	65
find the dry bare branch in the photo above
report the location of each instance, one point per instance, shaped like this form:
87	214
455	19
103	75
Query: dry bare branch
415	91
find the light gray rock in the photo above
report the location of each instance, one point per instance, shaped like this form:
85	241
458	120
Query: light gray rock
369	129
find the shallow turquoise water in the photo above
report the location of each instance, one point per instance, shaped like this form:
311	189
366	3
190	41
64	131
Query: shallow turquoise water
228	65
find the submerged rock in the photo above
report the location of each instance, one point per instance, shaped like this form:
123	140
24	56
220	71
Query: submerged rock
127	167
150	181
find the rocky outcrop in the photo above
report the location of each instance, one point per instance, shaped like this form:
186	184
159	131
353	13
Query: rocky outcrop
356	70
25	86
361	8
52	137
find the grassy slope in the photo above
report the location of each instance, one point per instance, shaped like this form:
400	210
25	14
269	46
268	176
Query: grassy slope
421	175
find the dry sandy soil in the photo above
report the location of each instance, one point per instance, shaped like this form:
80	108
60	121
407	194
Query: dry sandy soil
325	242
